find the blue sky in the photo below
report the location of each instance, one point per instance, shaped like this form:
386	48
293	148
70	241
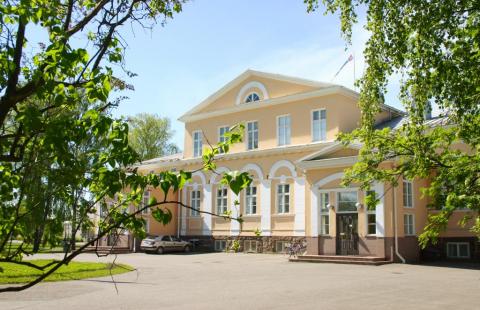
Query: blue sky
213	41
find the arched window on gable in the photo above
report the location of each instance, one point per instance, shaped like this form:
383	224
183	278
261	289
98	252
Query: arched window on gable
252	97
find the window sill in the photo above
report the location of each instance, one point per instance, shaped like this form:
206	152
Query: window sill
252	215
283	214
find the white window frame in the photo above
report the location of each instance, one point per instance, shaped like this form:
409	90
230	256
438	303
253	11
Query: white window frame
370	212
322	127
223	207
248	140
147	225
337	202
282	245
406	230
250	94
407	191
250	246
253	197
221	137
195	202
145	199
324	212
457	244
282	210
288	130
197	145
220	245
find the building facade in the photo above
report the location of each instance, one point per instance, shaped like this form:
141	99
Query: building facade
290	151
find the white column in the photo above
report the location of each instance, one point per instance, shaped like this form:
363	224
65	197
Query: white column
266	207
299	195
234	225
314	213
379	211
207	206
183	213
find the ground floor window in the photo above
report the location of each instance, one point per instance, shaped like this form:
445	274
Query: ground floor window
324	224
220	245
195	203
250	246
409	224
280	246
372	223
458	250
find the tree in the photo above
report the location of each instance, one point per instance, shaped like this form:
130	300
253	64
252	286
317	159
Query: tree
149	135
61	153
435	47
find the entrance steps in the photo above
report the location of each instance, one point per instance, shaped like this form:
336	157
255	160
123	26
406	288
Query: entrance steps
342	259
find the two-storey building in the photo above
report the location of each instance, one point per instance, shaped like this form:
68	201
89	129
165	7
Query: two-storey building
290	151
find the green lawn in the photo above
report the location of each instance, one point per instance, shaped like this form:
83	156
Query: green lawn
13	273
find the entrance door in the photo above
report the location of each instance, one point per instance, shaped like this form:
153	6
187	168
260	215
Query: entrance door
347	234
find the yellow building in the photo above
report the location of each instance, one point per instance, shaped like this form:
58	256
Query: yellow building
290	150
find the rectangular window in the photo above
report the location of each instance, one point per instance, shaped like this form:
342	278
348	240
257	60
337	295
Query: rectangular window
324	214
283	130
409	224
347	201
220	245
221	134
372	223
371	216
280	246
197	143
250	246
145	200
251	200
252	135
319	125
458	250
222	200
195	203
407	194
283	198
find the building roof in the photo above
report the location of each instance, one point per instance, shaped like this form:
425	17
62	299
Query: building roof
398	122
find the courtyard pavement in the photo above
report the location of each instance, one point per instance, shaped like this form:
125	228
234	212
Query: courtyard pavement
255	281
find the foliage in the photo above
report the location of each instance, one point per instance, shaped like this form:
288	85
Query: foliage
14	273
149	136
435	47
62	155
235	247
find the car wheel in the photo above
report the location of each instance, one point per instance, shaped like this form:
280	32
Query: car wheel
187	249
160	250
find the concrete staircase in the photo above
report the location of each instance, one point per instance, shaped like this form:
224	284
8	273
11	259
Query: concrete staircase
339	259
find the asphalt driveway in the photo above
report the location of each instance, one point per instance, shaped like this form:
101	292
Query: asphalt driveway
251	281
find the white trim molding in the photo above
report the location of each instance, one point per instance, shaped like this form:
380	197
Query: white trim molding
380	209
299	198
183	213
234	224
266	207
207	207
253	167
282	163
214	176
253	84
328	179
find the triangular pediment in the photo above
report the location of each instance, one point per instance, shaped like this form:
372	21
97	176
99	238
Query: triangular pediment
266	85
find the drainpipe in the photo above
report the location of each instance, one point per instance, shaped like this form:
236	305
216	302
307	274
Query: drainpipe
396	225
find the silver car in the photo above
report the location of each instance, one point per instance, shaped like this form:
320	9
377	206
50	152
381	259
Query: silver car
162	244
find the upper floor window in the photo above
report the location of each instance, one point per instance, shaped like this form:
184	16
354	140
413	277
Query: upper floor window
407	194
319	125
252	97
283	130
252	135
251	200
221	134
222	200
197	143
283	198
195	203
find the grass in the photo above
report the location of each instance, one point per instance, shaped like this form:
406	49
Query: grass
13	273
